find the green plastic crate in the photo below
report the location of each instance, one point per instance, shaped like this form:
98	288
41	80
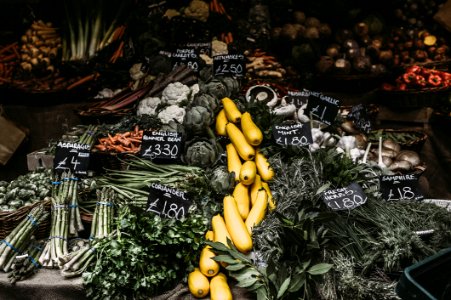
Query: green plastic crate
429	279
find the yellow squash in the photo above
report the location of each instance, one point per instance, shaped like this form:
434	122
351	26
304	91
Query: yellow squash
208	266
235	225
198	284
232	112
241	195
233	161
221	122
271	202
255	187
209	235
244	149
219	288
258	211
247	172
263	168
221	234
252	133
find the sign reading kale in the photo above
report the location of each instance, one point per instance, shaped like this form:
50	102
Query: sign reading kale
294	135
345	198
167	202
71	156
298	98
162	146
400	187
322	107
359	115
229	65
185	57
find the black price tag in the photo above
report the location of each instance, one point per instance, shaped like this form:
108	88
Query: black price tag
71	156
162	146
294	135
322	108
359	115
199	48
345	198
229	65
168	202
298	98
185	57
400	187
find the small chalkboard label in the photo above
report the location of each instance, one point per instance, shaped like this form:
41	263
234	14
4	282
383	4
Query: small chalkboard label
345	198
400	187
199	47
185	57
322	108
298	98
71	156
229	65
293	135
360	117
162	146
168	202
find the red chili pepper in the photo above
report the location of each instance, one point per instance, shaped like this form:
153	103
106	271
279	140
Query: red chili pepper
434	80
388	87
420	80
402	87
408	77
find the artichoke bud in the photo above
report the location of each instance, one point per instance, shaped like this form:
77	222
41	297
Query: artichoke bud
197	119
201	152
221	180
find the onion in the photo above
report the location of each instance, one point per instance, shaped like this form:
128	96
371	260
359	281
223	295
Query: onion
410	156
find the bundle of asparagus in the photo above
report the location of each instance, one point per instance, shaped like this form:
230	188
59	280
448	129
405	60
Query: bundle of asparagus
27	264
64	197
75	263
20	237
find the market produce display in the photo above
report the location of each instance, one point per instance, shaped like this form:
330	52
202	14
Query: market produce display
248	180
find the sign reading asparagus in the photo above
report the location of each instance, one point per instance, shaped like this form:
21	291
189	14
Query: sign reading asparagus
162	146
294	135
400	187
345	198
71	156
230	64
167	202
322	107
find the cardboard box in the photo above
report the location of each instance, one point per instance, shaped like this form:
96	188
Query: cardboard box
39	159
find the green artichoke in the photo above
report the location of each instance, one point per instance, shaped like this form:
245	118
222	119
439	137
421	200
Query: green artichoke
197	119
232	84
221	180
206	100
201	152
216	88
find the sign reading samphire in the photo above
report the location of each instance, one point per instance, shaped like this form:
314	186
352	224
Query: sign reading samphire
167	202
162	146
345	198
71	156
293	135
229	65
400	187
322	107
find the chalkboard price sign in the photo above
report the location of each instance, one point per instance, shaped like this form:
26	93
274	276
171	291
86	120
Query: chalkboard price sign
71	156
322	108
359	115
167	202
185	57
298	98
293	135
229	65
199	48
400	187
345	198
162	146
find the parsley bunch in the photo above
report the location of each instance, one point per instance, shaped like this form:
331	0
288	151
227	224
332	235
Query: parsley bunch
148	256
